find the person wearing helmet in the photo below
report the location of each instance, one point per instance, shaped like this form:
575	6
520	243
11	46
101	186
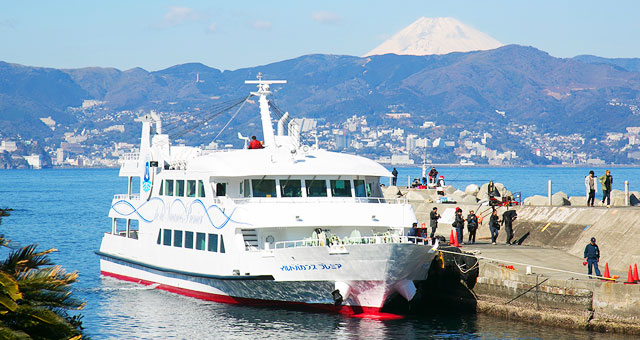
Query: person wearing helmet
592	256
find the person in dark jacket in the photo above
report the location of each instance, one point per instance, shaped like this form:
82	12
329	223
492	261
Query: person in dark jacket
472	226
459	225
494	225
413	232
433	175
507	218
592	256
395	176
433	221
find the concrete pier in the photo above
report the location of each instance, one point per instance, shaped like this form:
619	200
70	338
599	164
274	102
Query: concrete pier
555	238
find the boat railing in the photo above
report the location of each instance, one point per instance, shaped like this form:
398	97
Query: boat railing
130	156
126	197
379	239
294	200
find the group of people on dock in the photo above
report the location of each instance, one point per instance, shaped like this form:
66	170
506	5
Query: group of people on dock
606	181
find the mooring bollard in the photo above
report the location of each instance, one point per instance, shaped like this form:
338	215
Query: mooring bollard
626	193
549	193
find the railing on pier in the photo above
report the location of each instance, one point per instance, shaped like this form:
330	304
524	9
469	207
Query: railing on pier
319	200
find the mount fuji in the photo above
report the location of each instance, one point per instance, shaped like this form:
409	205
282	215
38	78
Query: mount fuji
428	36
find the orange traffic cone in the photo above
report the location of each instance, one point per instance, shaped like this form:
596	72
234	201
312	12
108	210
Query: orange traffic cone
606	271
455	240
635	273
630	280
451	238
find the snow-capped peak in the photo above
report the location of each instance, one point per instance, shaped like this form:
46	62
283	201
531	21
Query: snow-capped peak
436	36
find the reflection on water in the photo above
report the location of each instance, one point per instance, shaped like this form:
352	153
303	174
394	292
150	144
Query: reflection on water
131	311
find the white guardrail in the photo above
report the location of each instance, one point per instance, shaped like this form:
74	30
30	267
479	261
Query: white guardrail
130	156
382	239
319	200
126	197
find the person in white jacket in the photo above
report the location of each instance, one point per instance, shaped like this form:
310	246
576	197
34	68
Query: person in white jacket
590	184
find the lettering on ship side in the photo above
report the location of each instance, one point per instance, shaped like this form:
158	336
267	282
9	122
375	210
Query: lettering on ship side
308	267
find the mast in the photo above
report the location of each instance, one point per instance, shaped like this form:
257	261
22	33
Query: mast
265	114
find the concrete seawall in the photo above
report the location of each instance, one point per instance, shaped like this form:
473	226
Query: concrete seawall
552	242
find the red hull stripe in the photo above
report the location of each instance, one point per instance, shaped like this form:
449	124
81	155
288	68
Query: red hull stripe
355	311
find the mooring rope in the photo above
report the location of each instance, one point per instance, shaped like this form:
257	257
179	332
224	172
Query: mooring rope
525	264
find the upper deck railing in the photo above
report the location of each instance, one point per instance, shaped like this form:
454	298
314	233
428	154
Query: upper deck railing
295	200
132	197
379	239
130	156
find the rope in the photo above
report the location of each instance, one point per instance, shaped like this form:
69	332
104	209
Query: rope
525	264
216	114
232	117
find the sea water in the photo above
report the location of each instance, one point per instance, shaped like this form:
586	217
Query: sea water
67	209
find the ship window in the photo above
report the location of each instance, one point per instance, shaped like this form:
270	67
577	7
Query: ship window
213	242
188	239
316	188
161	188
191	188
340	188
221	244
247	188
361	190
290	188
264	187
177	238
200	188
180	187
221	189
159	236
200	241
167	237
168	187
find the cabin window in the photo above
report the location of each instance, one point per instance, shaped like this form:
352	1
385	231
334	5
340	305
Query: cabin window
177	238
246	188
167	237
161	188
361	190
340	188
316	188
200	188
188	239
264	187
221	189
159	236
290	188
200	241
221	244
191	188
180	187
168	187
213	242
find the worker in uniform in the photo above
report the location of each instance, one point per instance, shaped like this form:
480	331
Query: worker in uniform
592	256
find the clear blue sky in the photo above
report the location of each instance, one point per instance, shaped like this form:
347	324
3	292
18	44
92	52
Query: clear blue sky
235	34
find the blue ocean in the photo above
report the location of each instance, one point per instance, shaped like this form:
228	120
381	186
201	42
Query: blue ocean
66	209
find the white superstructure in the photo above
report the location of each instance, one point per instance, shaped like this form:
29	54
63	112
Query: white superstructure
289	223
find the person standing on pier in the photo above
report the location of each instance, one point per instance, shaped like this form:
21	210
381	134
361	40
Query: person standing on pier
459	225
592	256
507	218
472	226
607	182
592	188
494	225
433	221
395	176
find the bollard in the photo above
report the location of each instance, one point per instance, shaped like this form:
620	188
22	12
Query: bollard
549	193
409	181
626	193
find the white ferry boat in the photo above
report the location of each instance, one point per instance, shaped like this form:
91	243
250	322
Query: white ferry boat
286	224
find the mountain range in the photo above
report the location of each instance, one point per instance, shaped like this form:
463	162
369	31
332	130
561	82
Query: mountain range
528	85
